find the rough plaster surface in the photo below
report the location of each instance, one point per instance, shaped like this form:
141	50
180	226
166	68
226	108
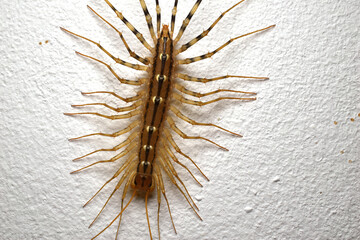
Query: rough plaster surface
294	174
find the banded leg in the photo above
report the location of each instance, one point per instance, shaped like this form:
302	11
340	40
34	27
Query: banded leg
187	20
113	159
182	89
138	96
205	80
158	193
173	16
115	134
122	80
117	147
204	33
148	19
138	35
145	60
112	117
117	60
170	139
158	17
192	122
200	103
117	173
132	197
210	54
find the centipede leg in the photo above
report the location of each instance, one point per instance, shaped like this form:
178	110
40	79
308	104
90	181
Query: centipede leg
206	32
210	54
138	96
113	159
193	122
111	117
115	134
143	60
183	135
173	16
158	18
138	35
201	103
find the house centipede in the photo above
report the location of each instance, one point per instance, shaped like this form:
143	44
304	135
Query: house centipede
150	148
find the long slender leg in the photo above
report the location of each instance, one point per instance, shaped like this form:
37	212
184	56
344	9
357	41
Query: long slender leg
113	159
115	134
173	171
147	214
130	26
148	20
168	172
145	61
113	192
200	103
158	192
183	135
117	60
138	96
117	147
172	142
117	173
125	81
205	80
112	117
182	89
210	54
192	122
121	109
187	20
162	187
158	17
172	155
132	197
204	33
173	16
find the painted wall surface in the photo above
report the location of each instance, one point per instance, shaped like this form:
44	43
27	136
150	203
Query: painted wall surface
294	174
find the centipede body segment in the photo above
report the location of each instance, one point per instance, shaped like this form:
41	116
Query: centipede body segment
150	152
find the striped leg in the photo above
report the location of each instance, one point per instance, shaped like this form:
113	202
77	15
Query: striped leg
204	33
189	120
117	60
145	61
200	103
113	159
173	16
111	117
117	147
182	89
210	54
187	20
183	135
131	27
122	80
205	80
158	17
148	20
115	134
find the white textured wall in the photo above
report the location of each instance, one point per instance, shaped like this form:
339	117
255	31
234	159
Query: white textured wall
294	175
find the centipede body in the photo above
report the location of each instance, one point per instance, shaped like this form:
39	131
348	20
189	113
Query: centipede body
150	152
